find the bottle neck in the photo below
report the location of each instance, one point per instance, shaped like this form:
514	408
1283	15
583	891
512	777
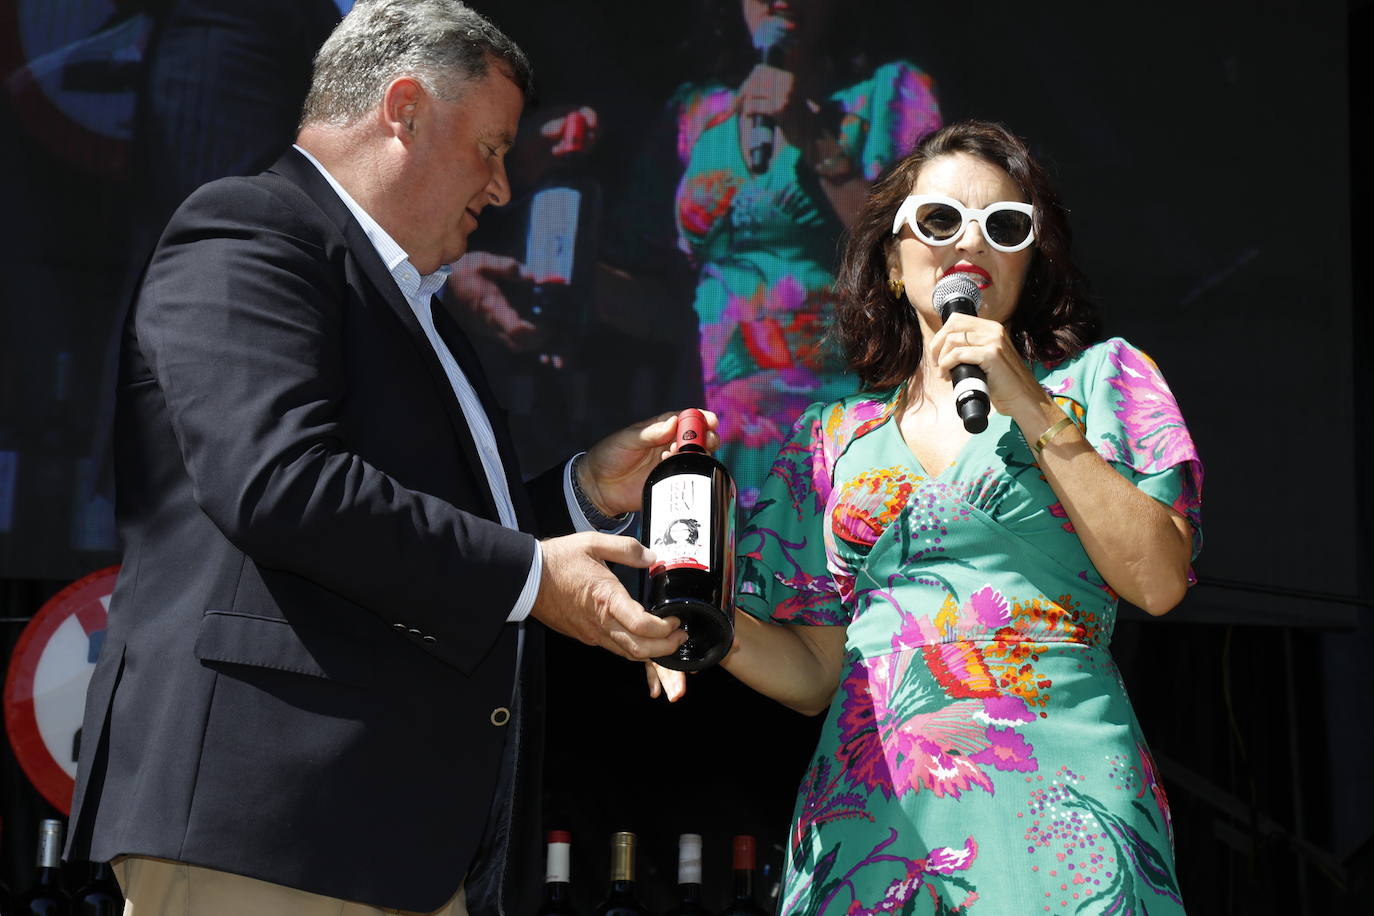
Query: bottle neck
622	864
744	884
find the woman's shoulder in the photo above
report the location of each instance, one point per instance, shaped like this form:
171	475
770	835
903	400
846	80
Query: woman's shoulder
842	421
1093	358
887	77
1109	365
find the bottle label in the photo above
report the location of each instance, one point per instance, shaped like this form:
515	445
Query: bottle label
552	241
559	863
680	523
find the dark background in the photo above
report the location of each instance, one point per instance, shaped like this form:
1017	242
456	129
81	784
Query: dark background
1205	152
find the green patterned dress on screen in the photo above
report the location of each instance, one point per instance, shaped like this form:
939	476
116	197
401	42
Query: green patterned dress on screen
763	247
980	754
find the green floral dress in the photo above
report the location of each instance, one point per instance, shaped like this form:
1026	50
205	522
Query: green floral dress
763	247
980	754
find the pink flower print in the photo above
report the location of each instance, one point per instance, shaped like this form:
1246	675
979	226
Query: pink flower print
895	753
943	861
1150	772
755	410
1004	710
946	861
1007	750
822	467
869	503
914	112
922	762
704	111
992	609
1155	434
843	426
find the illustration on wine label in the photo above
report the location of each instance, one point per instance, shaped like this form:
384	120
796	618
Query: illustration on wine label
680	523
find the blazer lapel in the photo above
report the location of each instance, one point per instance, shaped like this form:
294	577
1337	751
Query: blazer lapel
301	172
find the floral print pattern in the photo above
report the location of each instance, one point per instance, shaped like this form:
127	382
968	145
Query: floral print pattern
980	754
763	245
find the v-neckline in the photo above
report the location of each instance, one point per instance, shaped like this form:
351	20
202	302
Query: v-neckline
895	420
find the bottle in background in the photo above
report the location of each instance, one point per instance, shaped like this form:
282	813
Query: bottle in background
46	897
100	895
561	239
689	524
558	877
621	899
744	859
688	902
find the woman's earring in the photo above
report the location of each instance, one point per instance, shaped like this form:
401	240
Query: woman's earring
896	287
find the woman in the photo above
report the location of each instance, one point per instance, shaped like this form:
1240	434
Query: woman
949	598
773	167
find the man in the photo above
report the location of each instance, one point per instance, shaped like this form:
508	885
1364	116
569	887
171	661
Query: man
317	674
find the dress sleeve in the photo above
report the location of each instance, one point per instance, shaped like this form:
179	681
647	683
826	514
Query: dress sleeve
885	115
783	574
1134	422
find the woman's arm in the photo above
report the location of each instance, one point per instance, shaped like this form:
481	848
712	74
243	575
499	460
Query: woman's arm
1141	547
799	666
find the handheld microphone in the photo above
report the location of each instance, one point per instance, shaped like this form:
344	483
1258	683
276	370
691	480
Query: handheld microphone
957	293
758	138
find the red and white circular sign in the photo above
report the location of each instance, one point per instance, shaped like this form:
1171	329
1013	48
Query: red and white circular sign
45	689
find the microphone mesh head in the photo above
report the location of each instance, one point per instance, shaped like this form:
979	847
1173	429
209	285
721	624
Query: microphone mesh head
955	286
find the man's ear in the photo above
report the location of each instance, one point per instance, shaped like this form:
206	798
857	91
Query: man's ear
403	100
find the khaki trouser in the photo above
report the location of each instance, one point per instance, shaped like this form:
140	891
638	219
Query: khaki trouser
157	887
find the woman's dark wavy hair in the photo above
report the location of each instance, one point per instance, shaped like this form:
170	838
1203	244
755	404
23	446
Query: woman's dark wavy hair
1055	317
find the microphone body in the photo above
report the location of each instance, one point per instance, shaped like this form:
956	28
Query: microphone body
956	293
758	137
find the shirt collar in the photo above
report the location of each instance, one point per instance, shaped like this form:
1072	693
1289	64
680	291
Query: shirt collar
412	283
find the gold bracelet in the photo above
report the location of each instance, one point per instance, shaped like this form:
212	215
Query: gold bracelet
1047	435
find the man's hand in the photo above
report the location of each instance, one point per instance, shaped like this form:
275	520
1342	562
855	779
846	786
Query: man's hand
476	290
580	597
613	472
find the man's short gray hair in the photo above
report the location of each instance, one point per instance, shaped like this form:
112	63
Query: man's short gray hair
441	43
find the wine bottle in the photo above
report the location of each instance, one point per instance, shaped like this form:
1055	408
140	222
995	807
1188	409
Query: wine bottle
688	901
743	862
46	896
689	523
621	899
100	895
561	239
558	877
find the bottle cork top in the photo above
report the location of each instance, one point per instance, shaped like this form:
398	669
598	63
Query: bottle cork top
691	429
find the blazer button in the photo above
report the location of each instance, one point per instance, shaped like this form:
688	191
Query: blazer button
500	716
414	632
399	626
428	638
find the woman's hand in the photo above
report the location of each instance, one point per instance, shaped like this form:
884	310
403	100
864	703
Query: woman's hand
981	342
665	681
